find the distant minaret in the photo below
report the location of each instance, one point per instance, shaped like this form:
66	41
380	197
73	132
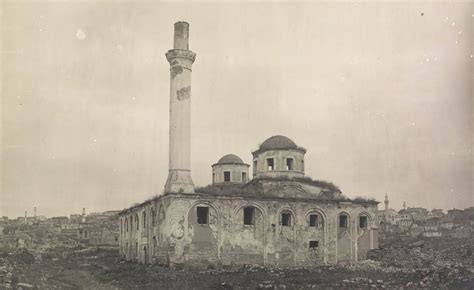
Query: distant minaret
26	214
83	215
35	212
181	60
404	206
386	208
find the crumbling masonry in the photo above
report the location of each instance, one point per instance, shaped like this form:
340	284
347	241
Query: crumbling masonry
280	217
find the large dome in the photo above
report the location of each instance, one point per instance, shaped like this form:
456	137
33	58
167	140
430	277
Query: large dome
230	159
278	142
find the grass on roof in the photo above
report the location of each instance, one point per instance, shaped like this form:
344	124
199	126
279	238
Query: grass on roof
363	199
231	189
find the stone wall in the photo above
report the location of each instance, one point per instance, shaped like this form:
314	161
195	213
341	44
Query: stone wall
171	233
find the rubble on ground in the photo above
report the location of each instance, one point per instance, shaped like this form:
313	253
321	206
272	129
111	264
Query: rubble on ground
411	265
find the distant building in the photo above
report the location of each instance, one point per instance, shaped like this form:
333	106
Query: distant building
41	218
59	220
417	213
404	221
431	233
98	236
437	212
389	216
461	232
75	218
393	221
454	211
415	230
111	213
447	222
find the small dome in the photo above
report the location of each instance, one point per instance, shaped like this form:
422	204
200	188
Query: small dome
278	142
230	159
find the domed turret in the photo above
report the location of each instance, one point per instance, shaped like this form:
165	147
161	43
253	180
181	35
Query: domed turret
230	169
230	159
278	156
278	142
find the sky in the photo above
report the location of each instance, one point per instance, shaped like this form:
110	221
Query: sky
380	94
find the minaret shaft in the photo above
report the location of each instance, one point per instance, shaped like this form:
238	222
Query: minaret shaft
181	60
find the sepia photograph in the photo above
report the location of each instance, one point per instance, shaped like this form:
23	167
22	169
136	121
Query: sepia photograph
236	144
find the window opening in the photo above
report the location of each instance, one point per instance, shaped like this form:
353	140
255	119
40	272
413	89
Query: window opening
363	222
343	221
286	219
202	215
226	176
249	216
313	244
270	164
313	220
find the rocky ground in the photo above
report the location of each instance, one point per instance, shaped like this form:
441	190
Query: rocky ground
421	264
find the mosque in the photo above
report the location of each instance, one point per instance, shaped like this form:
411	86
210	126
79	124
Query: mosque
277	217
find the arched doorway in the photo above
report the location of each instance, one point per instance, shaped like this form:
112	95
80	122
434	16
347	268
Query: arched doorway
203	227
344	240
145	255
313	237
247	241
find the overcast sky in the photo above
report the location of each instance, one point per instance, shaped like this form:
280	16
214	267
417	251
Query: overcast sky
379	94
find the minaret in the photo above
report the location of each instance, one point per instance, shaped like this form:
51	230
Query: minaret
181	60
26	214
83	220
35	212
404	205
386	208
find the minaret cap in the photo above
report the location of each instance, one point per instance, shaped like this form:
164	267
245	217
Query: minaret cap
181	35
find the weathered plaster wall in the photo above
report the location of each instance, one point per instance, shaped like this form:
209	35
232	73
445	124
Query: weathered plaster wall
176	237
235	172
279	157
144	243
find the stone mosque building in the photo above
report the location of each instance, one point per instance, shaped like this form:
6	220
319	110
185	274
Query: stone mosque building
278	217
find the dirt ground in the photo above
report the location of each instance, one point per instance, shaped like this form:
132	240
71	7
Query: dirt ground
422	265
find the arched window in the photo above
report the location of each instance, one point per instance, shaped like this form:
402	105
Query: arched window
160	214
131	225
286	218
249	215
137	221
153	217
363	221
144	219
202	213
343	220
126	225
314	220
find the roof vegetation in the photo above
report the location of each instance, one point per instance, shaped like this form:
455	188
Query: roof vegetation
255	187
363	199
231	189
319	183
